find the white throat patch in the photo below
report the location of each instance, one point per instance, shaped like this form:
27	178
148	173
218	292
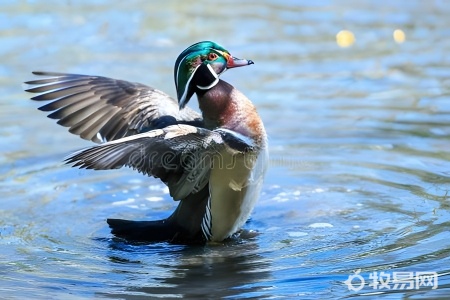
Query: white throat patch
214	82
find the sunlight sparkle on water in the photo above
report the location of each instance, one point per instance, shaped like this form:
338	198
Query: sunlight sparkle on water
345	38
399	36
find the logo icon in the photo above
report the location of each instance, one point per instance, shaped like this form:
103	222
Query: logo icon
356	277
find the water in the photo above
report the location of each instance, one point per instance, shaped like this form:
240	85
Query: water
359	136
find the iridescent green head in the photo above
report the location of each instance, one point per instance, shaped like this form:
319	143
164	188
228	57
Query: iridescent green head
199	67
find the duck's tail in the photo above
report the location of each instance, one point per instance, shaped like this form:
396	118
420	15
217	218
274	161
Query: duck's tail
182	227
153	231
143	231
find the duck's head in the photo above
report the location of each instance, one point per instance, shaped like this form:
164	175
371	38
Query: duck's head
199	66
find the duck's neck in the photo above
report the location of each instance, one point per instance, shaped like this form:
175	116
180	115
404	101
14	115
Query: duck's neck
224	106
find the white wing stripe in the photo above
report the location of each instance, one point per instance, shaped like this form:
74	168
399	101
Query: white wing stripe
245	139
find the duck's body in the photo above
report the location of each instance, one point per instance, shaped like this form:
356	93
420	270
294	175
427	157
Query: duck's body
234	191
236	177
213	163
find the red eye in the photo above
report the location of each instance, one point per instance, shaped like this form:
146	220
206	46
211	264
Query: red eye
212	56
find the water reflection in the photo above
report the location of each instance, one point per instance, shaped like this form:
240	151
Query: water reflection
216	271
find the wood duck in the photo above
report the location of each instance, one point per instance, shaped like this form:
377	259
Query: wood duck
213	163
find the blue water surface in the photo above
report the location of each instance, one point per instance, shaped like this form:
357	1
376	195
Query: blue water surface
359	175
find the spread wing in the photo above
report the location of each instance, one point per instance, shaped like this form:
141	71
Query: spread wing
180	155
105	109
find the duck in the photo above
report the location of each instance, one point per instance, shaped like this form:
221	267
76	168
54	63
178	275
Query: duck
212	161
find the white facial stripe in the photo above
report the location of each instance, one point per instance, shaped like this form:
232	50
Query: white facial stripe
183	98
178	71
220	52
184	58
214	82
181	62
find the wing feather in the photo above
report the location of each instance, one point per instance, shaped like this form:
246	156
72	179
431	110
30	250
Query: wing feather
180	155
104	109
